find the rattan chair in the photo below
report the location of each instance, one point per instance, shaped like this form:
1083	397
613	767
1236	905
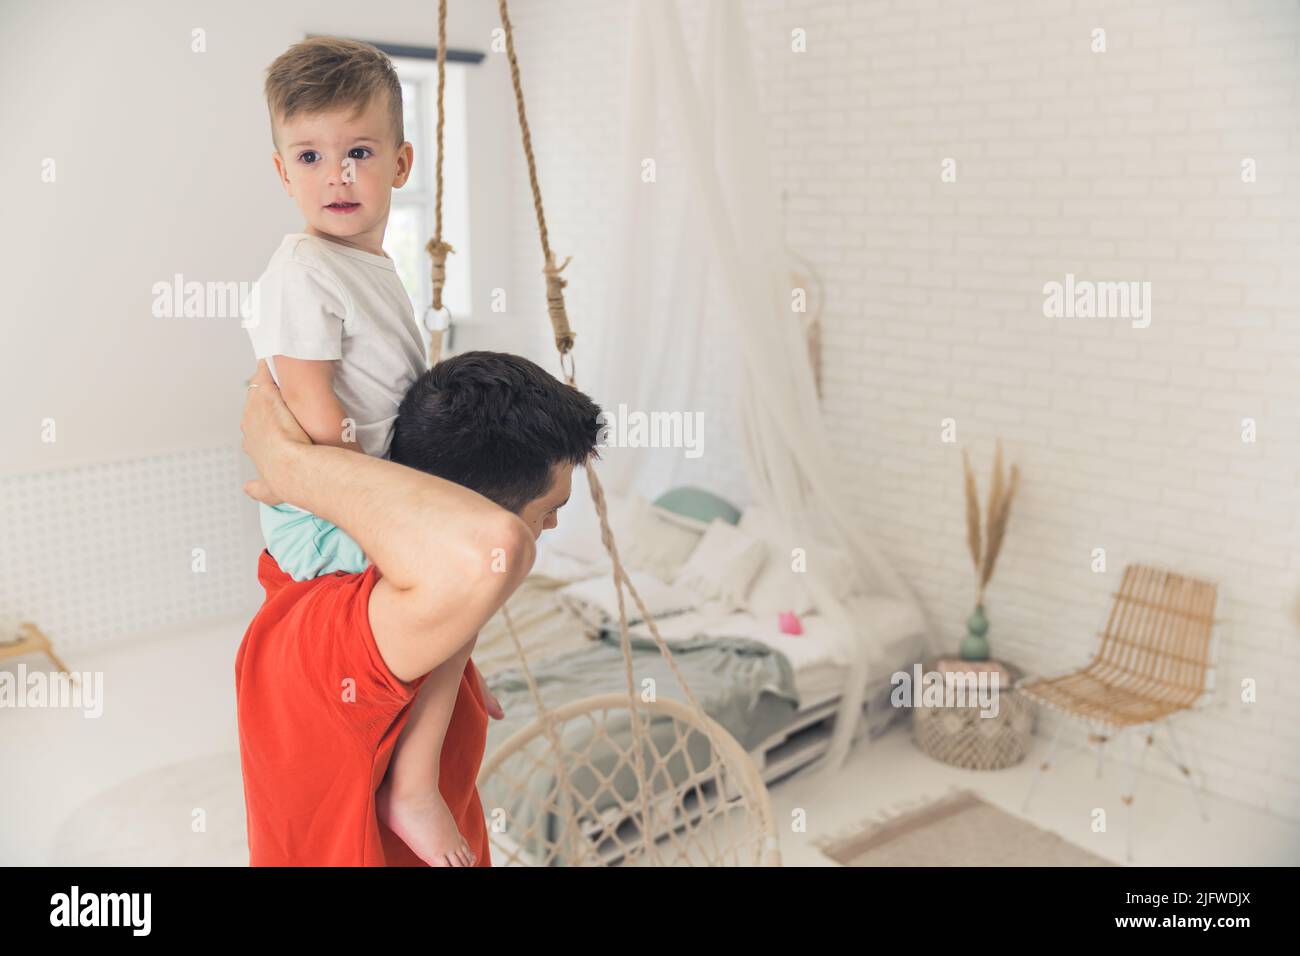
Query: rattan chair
1154	663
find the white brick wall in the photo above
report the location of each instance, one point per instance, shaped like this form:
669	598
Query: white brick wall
1123	165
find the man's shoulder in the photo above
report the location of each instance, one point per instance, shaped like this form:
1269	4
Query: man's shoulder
283	592
326	619
332	610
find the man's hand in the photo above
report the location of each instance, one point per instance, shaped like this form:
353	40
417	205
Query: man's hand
494	707
269	428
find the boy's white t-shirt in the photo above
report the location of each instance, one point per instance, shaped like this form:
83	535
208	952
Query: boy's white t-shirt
318	299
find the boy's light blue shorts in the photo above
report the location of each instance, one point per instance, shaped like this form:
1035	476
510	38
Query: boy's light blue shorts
306	546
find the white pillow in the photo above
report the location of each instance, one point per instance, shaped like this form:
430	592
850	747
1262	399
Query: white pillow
595	600
778	588
781	588
648	542
723	565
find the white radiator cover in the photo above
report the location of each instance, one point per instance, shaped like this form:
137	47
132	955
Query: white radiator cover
107	552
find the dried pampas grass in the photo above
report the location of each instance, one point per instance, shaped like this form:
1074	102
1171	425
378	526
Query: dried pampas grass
984	554
973	536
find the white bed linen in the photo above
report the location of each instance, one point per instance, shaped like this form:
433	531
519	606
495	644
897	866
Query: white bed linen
817	656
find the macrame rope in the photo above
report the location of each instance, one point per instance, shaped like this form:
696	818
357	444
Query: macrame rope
437	247
564	336
570	835
564	341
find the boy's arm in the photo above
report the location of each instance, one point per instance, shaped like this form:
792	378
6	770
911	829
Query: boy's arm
307	387
438	544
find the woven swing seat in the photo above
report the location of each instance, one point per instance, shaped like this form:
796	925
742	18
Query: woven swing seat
580	804
1154	656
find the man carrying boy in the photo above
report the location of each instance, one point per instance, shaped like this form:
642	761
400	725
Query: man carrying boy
330	669
365	586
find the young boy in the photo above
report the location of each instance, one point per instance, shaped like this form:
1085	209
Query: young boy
335	325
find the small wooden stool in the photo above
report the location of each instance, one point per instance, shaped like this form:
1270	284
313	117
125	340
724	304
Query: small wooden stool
33	642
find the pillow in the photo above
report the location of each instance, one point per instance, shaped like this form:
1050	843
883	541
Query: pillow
781	588
595	600
648	542
778	587
723	566
694	507
681	521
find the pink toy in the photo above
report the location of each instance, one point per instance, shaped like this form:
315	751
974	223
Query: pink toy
789	623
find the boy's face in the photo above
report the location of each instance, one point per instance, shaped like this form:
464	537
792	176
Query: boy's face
541	513
341	170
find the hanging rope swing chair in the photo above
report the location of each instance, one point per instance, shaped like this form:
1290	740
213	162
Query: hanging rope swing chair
614	779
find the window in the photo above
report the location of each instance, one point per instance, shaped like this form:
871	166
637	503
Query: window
411	219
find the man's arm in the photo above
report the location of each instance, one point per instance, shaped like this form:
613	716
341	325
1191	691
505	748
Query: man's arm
438	544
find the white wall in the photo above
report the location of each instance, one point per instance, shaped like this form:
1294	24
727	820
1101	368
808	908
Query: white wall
163	166
163	163
1123	165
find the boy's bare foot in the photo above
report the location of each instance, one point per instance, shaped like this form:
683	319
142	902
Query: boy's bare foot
425	824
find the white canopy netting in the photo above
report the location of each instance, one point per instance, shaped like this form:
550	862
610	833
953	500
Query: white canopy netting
699	317
699	285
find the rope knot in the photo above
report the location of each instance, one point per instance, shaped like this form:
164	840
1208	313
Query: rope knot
555	284
438	250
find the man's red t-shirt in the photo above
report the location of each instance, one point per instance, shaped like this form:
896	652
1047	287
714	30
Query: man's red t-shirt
319	714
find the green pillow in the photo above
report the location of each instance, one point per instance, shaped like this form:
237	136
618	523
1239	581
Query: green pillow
695	507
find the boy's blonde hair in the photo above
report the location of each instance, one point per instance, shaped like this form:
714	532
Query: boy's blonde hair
329	73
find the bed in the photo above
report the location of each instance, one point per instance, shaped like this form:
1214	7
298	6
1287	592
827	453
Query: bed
777	694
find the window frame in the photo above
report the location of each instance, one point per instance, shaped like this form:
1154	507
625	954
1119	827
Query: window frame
417	67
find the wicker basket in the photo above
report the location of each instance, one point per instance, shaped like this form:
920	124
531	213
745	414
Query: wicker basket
961	737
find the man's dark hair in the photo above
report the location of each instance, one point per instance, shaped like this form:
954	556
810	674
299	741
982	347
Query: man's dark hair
496	423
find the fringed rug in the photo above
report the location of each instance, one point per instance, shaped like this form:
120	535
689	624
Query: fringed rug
956	830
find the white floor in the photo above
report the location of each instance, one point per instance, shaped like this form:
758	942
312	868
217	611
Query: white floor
170	701
891	775
167	700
